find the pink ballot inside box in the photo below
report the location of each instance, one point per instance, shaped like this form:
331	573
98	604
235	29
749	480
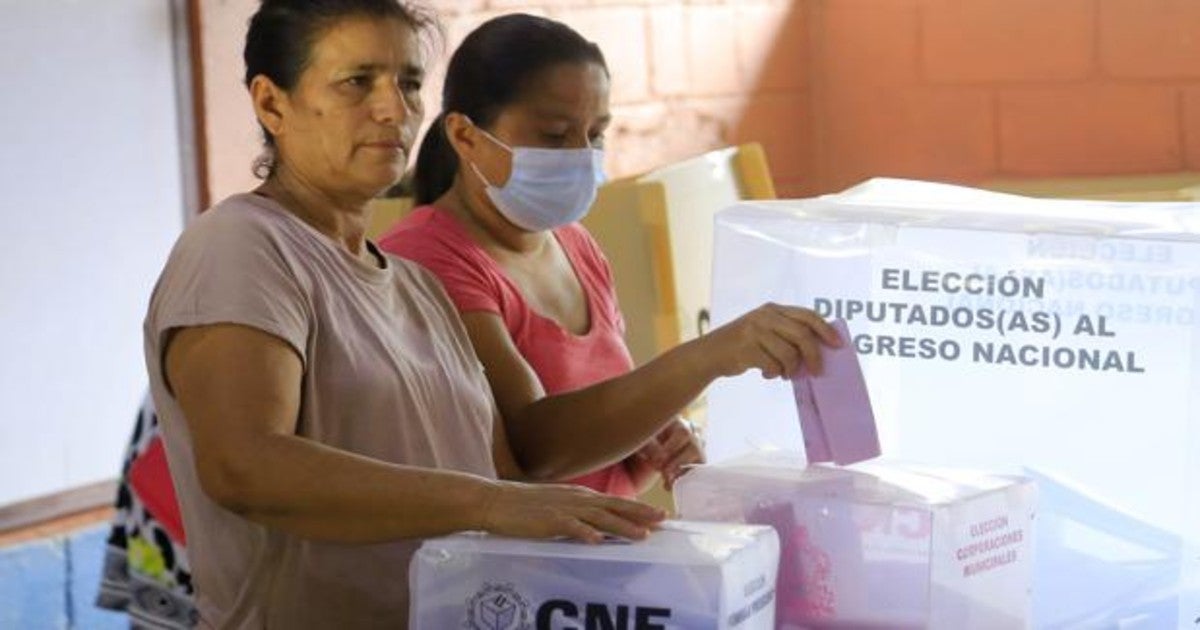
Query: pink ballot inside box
879	545
835	408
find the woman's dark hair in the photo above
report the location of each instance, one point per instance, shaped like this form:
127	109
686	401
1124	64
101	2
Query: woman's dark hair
491	70
282	33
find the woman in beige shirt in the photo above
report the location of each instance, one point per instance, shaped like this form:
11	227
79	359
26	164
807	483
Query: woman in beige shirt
320	401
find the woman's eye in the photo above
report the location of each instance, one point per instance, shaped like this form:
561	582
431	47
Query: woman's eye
410	85
361	80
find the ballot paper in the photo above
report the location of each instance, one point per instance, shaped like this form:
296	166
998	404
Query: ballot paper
834	407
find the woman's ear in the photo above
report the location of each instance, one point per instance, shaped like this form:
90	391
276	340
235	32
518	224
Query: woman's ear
462	134
270	103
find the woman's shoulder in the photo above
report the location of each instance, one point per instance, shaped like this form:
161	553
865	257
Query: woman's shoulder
423	225
246	234
432	238
576	238
240	217
409	273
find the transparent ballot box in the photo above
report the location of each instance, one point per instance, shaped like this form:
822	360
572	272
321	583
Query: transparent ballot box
685	576
881	545
1046	337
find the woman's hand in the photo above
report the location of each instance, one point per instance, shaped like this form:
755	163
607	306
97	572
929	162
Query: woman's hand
775	339
668	454
553	511
681	447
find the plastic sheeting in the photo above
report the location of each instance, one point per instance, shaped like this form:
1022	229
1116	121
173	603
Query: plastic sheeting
1012	334
881	545
686	576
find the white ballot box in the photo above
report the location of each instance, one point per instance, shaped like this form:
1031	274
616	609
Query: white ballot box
686	576
1012	334
881	545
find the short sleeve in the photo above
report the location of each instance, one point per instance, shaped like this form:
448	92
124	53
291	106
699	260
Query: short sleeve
230	268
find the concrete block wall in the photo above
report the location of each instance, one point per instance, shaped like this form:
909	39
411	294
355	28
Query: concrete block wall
968	90
685	74
687	77
842	90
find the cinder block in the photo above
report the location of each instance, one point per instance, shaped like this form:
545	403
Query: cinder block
984	41
712	50
933	133
669	51
867	43
1098	130
621	34
1150	38
1191	127
784	125
773	46
651	135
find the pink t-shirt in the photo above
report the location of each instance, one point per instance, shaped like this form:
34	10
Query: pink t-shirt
562	360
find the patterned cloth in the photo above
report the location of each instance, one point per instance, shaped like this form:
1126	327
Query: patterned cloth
146	570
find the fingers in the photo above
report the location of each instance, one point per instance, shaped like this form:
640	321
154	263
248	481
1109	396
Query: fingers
673	474
677	431
611	523
813	322
545	511
601	515
652	452
576	529
619	517
674	437
643	514
690	455
804	342
774	356
684	449
804	331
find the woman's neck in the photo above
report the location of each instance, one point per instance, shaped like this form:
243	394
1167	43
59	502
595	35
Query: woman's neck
485	224
342	219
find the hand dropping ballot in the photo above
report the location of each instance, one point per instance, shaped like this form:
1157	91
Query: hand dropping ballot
878	545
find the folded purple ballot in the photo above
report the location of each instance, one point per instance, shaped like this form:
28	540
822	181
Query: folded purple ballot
835	409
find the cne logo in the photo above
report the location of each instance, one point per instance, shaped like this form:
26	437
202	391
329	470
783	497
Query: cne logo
497	607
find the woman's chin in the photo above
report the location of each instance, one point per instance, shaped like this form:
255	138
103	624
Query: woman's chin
379	180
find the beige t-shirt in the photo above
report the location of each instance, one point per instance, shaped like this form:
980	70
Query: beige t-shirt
389	373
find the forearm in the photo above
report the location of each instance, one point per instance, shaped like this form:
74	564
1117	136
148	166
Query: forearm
315	491
569	434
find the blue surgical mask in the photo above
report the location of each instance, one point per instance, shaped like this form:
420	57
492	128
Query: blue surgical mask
548	188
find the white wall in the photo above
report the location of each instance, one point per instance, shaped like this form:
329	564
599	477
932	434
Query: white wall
90	202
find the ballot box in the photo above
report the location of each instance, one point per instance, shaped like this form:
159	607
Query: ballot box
685	576
882	544
1010	334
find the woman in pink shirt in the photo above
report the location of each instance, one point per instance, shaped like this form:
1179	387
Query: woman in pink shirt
508	168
